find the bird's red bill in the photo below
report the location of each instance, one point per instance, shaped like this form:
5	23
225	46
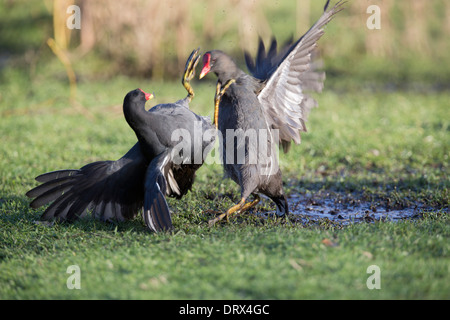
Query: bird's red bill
148	96
206	65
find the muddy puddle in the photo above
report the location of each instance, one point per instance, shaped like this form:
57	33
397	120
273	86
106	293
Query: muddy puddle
344	210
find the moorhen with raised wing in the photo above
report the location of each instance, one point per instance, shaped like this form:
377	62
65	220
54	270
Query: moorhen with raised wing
271	102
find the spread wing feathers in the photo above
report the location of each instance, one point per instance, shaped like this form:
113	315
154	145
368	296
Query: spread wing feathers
266	63
111	190
289	74
54	175
156	211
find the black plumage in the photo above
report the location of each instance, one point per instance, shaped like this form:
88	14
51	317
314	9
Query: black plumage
152	169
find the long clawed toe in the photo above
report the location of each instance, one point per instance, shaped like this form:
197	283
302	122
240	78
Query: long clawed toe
191	64
189	71
239	208
234	209
220	90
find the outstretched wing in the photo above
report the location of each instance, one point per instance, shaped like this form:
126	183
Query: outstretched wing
266	62
111	190
156	211
283	98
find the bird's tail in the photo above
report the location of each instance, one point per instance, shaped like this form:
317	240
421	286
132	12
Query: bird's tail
282	205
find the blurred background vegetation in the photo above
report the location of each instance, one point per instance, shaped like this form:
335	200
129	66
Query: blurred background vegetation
152	38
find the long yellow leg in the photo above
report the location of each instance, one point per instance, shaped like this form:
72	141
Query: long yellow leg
216	104
220	91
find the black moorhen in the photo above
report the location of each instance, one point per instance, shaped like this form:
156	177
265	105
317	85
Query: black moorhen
154	167
271	101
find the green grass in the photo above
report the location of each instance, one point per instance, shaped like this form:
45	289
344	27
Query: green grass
231	262
372	146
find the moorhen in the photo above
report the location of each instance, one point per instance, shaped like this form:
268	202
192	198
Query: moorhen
271	102
154	167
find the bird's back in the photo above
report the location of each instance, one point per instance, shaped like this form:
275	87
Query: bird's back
179	128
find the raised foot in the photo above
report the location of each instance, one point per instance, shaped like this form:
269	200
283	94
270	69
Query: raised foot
189	72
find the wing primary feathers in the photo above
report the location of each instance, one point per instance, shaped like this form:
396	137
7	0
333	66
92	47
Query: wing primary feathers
112	190
156	212
50	195
261	53
287	75
273	49
45	177
249	62
48	186
51	211
59	208
77	210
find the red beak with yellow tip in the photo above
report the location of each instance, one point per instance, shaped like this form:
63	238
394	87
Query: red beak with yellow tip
148	96
206	65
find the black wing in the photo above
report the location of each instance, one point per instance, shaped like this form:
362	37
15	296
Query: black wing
266	62
156	211
111	190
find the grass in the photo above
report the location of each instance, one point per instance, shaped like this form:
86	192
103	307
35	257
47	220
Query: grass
371	146
231	262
